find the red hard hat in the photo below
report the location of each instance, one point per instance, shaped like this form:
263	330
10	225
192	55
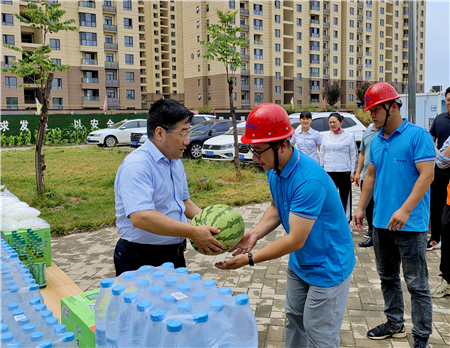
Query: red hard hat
266	123
379	93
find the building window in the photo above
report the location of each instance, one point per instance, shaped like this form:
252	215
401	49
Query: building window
127	5
9	60
314	59
12	102
299	90
299	63
351	61
88	20
259	83
129	76
299	8
199	96
57	84
7	19
350	73
368	75
109	57
299	36
335	72
8	39
299	76
368	27
128	41
129	59
314	72
259	69
258	24
259	54
277	4
314	32
277	47
259	97
299	22
350	85
299	49
130	94
257	10
335	21
57	103
314	85
335	8
314	5
231	4
381	57
278	76
277	33
351	48
352	11
277	18
314	46
352	36
55	44
352	23
335	47
381	69
199	82
10	82
88	39
108	39
277	90
277	62
335	33
199	68
350	97
381	22
127	23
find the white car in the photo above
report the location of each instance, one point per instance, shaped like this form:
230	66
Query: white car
320	124
118	134
200	118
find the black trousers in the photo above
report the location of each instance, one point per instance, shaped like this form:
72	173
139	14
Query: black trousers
445	244
438	198
129	256
369	211
344	185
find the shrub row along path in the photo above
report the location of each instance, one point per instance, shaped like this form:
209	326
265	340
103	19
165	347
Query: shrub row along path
88	258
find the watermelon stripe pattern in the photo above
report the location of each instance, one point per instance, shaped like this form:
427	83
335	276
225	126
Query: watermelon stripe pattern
224	218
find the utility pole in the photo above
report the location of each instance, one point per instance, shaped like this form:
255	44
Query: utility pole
412	37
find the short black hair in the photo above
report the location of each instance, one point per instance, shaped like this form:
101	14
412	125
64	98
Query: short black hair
166	113
447	91
305	114
337	115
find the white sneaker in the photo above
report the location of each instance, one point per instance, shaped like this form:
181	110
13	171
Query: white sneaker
437	246
441	290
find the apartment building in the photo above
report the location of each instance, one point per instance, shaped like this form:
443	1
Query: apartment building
136	52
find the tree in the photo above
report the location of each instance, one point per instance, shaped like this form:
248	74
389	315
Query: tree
37	66
332	92
222	47
361	89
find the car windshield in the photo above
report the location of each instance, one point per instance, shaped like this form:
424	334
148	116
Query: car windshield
241	131
118	124
200	128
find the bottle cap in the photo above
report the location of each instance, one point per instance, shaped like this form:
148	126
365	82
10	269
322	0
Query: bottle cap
13	345
216	305
68	337
129	276
13	289
168	298
45	344
29	328
156	290
174	325
131	297
184	288
168	265
59	329
7	337
184	307
106	283
143	284
118	290
158	315
18	312
182	270
13	306
170	282
144	306
46	314
10	283
225	291
241	299
199	296
36	336
34	287
145	269
34	301
24	321
40	307
52	321
209	283
158	275
4	328
8	277
201	316
30	281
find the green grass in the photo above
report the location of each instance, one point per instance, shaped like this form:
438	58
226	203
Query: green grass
80	184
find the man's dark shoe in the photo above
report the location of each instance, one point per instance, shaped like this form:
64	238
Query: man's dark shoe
420	342
367	243
387	330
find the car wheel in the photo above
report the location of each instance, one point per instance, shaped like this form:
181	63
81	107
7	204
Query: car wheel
110	141
196	150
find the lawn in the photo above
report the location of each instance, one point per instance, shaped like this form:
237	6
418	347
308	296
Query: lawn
80	184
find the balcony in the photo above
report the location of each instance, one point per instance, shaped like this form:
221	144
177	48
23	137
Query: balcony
326	76
359	42
326	24
315	21
359	30
89	80
245	87
89	4
245	72
358	66
359	54
326	50
112	65
91	99
113	101
368	42
326	11
326	37
244	12
326	63
369	54
258	42
360	5
245	27
405	80
245	101
359	17
111	46
112	83
358	78
109	9
108	27
89	61
245	57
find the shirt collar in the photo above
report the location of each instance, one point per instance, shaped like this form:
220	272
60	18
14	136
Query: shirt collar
290	165
154	151
400	129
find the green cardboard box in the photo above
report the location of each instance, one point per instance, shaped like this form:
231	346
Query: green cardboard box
78	314
43	232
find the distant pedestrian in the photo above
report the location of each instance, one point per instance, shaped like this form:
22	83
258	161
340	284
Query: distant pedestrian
401	169
363	165
443	288
306	139
337	156
440	130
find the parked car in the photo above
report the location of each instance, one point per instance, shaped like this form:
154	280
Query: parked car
320	124
204	131
138	138
118	134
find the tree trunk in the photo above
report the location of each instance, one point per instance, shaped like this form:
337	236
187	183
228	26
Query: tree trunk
237	162
40	157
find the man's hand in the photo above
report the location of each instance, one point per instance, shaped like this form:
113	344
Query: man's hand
357	179
236	262
352	177
246	244
398	220
358	220
204	240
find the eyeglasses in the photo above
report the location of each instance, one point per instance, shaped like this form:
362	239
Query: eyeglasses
258	153
184	135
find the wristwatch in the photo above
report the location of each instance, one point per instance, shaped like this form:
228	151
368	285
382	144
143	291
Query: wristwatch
250	259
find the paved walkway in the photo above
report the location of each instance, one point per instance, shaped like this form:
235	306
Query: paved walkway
88	258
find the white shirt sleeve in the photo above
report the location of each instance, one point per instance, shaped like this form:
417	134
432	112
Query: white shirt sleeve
353	153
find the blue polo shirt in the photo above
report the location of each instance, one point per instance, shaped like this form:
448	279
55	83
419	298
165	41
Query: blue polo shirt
305	189
147	180
395	160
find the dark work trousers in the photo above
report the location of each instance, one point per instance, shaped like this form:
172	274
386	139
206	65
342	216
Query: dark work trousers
369	211
130	256
445	244
344	185
438	198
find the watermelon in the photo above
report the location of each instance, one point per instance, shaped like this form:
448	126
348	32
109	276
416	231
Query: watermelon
227	220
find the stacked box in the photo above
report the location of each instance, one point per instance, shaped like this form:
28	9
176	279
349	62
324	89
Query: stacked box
43	232
78	314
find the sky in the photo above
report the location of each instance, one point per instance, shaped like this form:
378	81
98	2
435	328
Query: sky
437	44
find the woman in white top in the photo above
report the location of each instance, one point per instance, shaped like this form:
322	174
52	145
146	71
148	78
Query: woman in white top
338	157
306	139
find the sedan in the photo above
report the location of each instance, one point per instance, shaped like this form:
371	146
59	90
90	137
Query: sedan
118	134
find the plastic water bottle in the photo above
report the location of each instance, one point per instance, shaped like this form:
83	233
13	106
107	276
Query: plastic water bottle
31	292
175	336
170	284
156	329
182	274
66	341
50	323
34	339
126	319
200	331
14	344
4	328
58	331
169	268
156	296
243	322
130	279
112	315
30	307
141	323
185	289
226	296
45	344
17	330
101	305
158	278
199	301
11	295
219	319
169	303
37	311
195	280
210	288
185	314
7	338
145	272
18	313
12	307
24	336
143	286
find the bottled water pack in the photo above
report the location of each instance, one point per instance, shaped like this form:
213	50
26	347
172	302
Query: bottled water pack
167	307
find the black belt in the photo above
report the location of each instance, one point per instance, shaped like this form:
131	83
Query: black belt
180	248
